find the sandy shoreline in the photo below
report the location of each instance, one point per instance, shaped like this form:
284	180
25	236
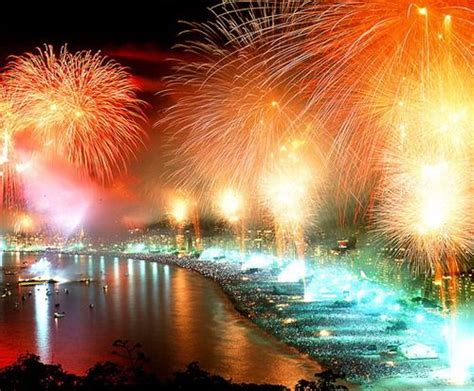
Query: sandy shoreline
229	278
403	382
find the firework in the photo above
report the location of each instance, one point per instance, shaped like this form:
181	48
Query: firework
229	115
24	223
386	76
425	210
345	56
290	192
380	57
180	210
424	202
377	77
231	208
81	105
11	121
10	164
230	205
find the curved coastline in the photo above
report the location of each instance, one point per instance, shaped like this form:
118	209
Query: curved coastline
167	309
230	280
232	274
270	312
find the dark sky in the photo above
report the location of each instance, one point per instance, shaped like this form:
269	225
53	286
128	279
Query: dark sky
96	25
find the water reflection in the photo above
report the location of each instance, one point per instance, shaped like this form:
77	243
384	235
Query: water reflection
42	318
178	316
116	270
90	266
166	280
102	263
132	302
183	316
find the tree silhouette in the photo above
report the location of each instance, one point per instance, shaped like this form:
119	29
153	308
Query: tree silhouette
29	373
132	353
325	381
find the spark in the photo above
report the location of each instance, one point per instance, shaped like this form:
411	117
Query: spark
84	104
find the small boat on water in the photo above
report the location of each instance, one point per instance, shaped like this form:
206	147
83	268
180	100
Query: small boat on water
36	281
6	293
58	315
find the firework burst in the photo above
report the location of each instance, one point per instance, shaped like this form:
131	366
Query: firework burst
379	76
229	115
10	165
425	210
230	205
345	55
386	76
81	105
290	191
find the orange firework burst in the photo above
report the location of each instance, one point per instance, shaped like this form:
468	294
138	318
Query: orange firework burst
229	115
289	186
346	55
82	105
290	191
183	209
10	123
381	76
424	205
230	205
180	210
387	76
24	223
426	209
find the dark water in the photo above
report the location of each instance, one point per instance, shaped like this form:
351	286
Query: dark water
177	315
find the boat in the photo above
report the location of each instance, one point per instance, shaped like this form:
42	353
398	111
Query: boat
6	293
58	315
36	281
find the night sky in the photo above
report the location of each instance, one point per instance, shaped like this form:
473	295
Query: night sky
84	26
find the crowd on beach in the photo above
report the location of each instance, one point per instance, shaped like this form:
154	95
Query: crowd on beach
338	334
348	341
